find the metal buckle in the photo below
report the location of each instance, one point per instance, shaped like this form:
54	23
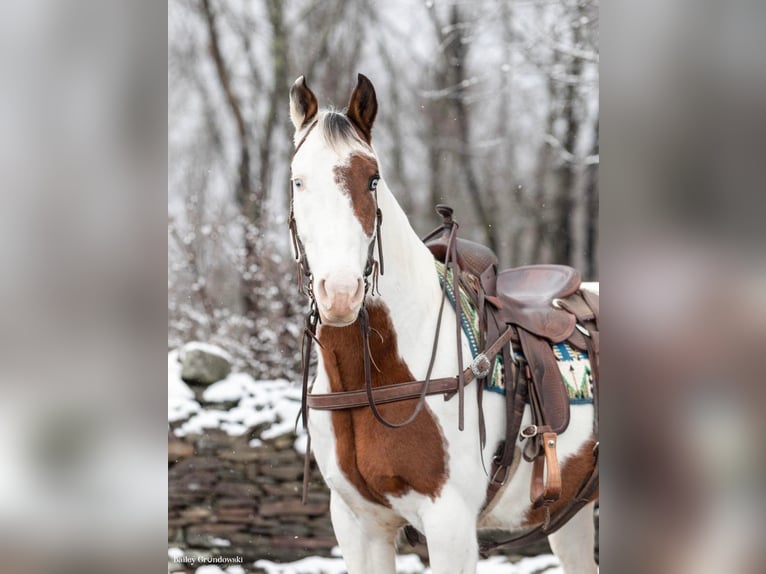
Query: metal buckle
476	368
528	431
506	470
582	329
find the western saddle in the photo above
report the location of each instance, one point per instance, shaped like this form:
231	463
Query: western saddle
543	304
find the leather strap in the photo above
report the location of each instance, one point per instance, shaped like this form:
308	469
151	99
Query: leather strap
546	474
309	336
515	400
553	397
400	391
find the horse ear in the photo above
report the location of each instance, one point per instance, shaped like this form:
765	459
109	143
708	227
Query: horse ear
363	106
303	103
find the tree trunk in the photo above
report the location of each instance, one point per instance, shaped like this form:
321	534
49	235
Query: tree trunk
538	209
247	198
456	52
564	203
279	88
591	214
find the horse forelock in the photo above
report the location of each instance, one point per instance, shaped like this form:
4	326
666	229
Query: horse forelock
340	133
355	164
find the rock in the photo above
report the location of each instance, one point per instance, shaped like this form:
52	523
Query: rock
293	507
240	455
178	449
204	364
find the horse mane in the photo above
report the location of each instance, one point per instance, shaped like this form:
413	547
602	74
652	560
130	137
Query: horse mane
338	131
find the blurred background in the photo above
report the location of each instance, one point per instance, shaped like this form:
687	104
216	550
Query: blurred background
489	106
91	290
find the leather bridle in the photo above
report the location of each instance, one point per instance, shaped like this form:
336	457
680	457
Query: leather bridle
372	269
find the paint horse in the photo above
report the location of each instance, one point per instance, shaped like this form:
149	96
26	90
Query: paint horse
416	458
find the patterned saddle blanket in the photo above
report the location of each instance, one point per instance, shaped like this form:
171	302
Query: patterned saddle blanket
573	364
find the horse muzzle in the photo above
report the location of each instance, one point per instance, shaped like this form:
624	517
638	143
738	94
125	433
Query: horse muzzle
339	297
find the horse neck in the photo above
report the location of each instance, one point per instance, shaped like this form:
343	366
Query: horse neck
402	316
409	287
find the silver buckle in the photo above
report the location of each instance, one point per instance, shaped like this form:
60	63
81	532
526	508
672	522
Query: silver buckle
582	329
528	431
476	368
505	470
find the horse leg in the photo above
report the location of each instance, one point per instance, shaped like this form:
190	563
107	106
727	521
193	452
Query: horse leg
450	530
367	544
574	543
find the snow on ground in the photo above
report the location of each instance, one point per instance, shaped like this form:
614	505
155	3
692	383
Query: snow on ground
272	403
411	564
405	564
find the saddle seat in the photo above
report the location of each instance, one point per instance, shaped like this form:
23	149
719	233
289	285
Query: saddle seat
526	298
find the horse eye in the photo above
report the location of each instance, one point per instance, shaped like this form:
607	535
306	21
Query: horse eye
297	183
374	182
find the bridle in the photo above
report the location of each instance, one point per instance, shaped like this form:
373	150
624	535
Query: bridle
372	269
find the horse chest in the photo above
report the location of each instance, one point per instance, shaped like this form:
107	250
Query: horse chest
380	462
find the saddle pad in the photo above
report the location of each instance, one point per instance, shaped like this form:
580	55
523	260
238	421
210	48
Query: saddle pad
573	364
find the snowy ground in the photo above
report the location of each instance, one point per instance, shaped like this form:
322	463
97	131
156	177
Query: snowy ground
276	404
272	403
405	564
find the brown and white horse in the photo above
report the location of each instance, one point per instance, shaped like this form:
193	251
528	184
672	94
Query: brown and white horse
429	473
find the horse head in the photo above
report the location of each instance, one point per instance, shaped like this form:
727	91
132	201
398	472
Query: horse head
334	212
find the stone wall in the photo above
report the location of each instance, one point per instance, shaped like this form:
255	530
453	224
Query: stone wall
227	498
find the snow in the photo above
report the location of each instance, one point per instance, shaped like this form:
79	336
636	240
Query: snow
272	404
212	569
411	564
232	388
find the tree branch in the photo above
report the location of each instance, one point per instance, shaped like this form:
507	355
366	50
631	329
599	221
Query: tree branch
246	197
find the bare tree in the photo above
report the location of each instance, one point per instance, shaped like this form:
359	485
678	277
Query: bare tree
491	111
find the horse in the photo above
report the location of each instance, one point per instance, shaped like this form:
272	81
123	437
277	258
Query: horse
427	473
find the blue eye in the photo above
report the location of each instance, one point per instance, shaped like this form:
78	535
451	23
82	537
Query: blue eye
297	184
374	182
